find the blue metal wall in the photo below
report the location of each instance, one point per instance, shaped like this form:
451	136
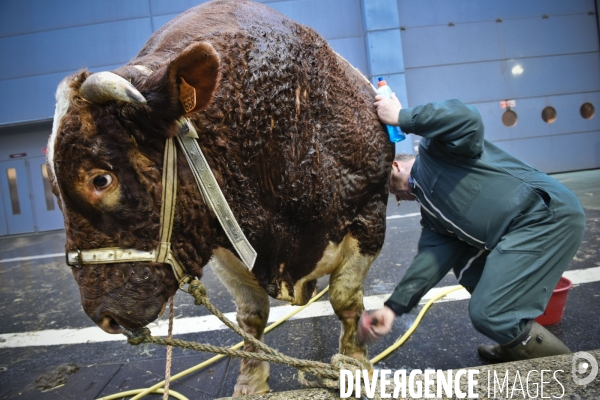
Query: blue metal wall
468	49
42	41
426	50
385	56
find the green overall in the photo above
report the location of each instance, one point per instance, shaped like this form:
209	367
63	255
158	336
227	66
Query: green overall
506	229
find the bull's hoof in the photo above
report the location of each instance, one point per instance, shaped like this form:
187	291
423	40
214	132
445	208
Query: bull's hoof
244	390
253	378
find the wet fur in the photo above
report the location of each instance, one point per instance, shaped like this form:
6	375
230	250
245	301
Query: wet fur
290	134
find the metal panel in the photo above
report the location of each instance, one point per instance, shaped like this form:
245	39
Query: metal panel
159	21
160	7
15	197
28	16
598	13
559	153
381	14
32	98
28	98
493	80
407	146
353	50
333	19
48	215
441	12
30	139
3	224
73	48
530	123
385	52
483	41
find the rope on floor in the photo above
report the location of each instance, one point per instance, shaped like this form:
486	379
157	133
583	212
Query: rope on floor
328	373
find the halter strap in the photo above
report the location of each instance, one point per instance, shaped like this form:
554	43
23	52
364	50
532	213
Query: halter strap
212	194
209	189
163	253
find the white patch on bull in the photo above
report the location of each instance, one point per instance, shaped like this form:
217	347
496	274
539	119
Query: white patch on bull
344	263
284	294
336	259
333	257
346	296
347	269
252	303
145	70
61	108
239	281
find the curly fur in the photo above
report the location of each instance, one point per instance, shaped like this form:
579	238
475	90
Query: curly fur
290	134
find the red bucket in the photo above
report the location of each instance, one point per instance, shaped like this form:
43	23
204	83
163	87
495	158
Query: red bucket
556	306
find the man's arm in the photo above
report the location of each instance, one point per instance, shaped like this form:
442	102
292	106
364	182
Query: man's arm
457	126
437	254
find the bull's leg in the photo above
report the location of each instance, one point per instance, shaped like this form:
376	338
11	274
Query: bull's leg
252	314
346	297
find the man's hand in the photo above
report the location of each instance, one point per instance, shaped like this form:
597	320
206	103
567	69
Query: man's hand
379	324
388	110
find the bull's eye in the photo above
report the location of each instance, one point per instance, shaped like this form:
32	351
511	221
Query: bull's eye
102	181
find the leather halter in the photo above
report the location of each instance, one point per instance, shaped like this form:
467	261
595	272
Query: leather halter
163	252
211	192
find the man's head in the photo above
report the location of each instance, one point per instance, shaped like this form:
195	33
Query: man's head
399	185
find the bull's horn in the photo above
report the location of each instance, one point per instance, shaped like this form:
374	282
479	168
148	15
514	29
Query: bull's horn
104	86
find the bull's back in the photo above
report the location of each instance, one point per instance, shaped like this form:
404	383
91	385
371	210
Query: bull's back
208	21
291	134
291	130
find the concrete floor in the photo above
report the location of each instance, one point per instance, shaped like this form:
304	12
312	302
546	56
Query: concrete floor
40	297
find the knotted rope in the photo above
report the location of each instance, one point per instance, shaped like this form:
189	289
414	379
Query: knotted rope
328	374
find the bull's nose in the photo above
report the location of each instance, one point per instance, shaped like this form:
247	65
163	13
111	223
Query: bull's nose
109	325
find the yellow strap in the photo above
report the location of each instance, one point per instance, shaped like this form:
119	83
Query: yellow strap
212	194
163	253
108	255
169	193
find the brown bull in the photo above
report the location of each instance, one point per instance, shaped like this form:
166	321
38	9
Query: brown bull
289	131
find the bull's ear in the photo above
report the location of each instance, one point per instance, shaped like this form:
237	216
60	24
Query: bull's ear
194	75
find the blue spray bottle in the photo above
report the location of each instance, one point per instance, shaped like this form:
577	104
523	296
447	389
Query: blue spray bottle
396	135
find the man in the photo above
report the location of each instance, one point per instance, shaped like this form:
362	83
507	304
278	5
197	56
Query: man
507	230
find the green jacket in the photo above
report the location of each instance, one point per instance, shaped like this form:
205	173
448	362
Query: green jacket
468	188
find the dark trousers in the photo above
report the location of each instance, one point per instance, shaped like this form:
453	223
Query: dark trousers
512	283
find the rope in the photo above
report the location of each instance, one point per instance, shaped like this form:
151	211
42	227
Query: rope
328	373
169	351
139	393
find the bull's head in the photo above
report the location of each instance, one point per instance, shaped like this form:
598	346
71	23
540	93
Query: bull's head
105	155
